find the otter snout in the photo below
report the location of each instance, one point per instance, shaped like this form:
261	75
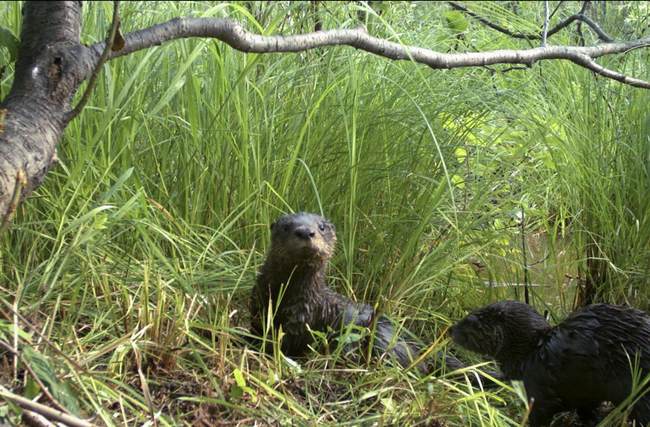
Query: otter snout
455	334
303	236
304	232
459	331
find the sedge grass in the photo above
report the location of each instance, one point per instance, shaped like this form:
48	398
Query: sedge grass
135	257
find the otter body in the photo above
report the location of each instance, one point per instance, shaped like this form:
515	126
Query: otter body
577	364
293	279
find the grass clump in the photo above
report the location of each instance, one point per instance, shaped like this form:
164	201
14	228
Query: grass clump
126	275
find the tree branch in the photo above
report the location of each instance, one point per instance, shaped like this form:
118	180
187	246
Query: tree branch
602	35
580	16
589	63
236	36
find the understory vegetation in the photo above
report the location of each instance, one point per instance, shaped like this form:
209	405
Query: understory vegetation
125	277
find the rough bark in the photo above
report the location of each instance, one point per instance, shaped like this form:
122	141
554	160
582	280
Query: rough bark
50	67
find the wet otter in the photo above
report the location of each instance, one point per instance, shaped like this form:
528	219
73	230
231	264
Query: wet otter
577	364
294	274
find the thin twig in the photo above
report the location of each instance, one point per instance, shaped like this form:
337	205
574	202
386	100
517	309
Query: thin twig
581	37
583	10
44	389
21	183
557	7
105	55
46	411
546	19
522	224
491	24
40	383
514	68
33	419
43	337
144	386
602	35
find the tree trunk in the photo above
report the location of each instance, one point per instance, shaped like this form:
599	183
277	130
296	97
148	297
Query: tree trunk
50	67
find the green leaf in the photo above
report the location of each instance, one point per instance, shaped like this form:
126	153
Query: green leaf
369	394
8	40
7	330
236	392
239	378
295	366
86	217
388	403
461	154
46	373
31	388
118	184
352	338
455	21
458	181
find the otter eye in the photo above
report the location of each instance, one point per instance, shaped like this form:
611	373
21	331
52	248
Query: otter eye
321	226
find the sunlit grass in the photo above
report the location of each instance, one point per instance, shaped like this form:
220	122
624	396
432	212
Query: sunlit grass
135	258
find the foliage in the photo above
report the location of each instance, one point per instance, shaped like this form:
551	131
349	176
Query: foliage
135	258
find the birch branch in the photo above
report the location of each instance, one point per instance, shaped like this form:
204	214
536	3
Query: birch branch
234	34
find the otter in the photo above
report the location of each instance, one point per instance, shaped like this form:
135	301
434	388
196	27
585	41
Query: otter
581	362
293	280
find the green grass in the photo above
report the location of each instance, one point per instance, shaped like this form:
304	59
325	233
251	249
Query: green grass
135	258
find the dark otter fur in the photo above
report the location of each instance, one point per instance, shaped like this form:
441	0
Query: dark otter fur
577	364
294	274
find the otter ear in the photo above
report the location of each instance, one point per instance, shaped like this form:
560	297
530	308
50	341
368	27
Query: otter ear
332	226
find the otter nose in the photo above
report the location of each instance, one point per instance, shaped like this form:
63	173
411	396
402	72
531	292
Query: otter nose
304	233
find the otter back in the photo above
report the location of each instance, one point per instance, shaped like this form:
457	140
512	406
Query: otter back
578	364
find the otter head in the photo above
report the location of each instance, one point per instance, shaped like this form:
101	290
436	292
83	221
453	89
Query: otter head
303	238
507	331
